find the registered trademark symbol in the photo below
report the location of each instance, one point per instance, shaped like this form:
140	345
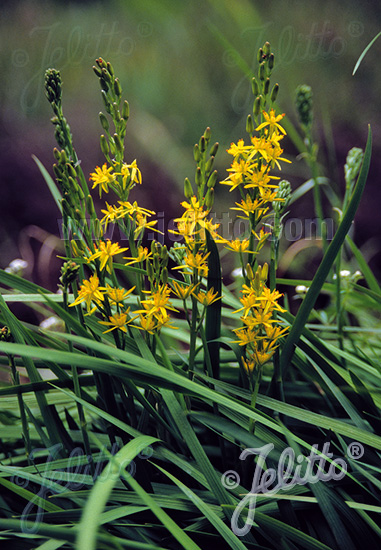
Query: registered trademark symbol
355	450
355	29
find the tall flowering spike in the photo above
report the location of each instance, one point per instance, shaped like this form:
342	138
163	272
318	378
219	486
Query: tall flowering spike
53	88
304	104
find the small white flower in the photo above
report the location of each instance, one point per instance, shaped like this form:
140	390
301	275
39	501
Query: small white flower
301	289
16	267
345	273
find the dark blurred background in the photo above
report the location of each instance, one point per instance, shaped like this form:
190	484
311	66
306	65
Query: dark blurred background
182	67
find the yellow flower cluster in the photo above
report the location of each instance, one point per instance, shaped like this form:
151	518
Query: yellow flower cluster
251	166
261	330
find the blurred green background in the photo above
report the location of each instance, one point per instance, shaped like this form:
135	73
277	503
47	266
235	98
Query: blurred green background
183	66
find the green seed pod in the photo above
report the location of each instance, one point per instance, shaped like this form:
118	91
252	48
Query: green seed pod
212	179
104	145
249	124
125	110
274	93
304	104
209	198
214	149
196	153
117	88
104	121
188	191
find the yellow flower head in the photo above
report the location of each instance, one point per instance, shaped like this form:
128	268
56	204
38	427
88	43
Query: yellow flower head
105	252
142	255
183	291
118	295
89	291
271	120
130	175
206	298
238	245
102	177
117	321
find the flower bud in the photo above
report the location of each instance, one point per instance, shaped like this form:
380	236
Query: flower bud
262	71
249	272
196	153
274	93
255	87
97	71
304	104
104	145
71	170
267	48
353	164
212	179
214	149
260	55
164	276
188	191
69	273
249	124
104	121
257	105
117	87
266	87
125	110
198	177
209	198
118	143
90	206
110	68
207	134
209	164
56	153
271	61
202	144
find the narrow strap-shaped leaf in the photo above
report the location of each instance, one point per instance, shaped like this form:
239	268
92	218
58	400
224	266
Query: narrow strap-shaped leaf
213	312
326	264
50	183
